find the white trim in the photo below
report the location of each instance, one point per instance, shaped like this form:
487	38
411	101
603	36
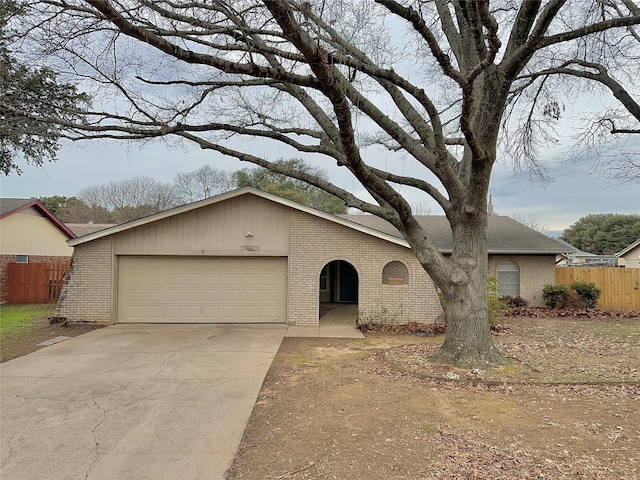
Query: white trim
629	248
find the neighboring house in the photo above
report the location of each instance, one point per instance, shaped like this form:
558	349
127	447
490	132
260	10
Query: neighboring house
574	257
30	233
249	256
80	229
630	256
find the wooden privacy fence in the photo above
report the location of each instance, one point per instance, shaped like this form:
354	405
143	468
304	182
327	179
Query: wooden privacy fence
620	286
35	282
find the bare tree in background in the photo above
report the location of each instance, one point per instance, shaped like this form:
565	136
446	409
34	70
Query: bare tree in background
531	220
429	82
202	183
128	199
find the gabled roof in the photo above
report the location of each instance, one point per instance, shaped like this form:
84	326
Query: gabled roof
573	251
506	235
227	196
629	248
10	206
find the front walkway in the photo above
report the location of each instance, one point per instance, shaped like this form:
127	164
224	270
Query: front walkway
339	322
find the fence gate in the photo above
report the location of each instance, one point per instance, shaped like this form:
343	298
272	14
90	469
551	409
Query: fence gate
35	282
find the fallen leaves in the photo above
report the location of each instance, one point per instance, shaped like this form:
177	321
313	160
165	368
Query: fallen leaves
379	408
538	312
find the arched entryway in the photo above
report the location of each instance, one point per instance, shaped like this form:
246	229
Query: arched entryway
339	283
339	287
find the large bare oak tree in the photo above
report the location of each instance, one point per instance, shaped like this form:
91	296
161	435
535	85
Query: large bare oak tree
433	83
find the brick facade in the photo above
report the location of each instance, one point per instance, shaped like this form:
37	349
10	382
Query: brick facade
5	260
316	242
313	242
536	271
87	291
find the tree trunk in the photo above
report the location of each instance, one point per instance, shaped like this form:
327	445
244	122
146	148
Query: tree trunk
468	342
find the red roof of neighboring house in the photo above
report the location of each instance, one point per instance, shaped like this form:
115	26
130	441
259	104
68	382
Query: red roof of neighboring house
9	206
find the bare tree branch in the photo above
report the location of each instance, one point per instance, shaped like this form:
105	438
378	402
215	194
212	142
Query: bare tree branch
339	81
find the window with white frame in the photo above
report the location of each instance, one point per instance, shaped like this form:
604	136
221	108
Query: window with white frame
22	258
509	278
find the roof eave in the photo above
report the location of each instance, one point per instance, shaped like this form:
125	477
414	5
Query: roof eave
629	248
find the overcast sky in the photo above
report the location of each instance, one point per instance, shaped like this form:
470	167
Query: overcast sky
572	194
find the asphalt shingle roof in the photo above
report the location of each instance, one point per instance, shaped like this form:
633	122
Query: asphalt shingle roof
9	204
86	228
505	235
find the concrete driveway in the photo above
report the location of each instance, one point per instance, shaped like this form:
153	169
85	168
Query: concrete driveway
133	402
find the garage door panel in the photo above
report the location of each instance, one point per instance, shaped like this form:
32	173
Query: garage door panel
252	281
231	311
153	295
213	280
235	294
212	311
188	313
211	296
202	290
153	310
252	310
168	279
186	295
191	279
137	295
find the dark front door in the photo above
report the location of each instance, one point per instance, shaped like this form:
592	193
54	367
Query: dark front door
348	283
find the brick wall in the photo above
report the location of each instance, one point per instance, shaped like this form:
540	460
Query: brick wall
86	293
316	242
535	272
5	260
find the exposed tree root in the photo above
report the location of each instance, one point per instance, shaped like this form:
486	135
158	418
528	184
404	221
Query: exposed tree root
464	357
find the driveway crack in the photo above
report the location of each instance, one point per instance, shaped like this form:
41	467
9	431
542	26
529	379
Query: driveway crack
95	438
164	362
4	458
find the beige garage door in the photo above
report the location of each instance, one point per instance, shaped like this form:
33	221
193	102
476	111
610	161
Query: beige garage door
202	290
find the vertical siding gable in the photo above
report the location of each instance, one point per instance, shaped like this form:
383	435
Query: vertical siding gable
217	229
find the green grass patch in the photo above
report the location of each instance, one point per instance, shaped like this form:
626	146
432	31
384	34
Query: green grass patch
428	429
15	319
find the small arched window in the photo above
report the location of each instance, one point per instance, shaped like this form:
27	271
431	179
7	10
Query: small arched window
509	278
395	273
